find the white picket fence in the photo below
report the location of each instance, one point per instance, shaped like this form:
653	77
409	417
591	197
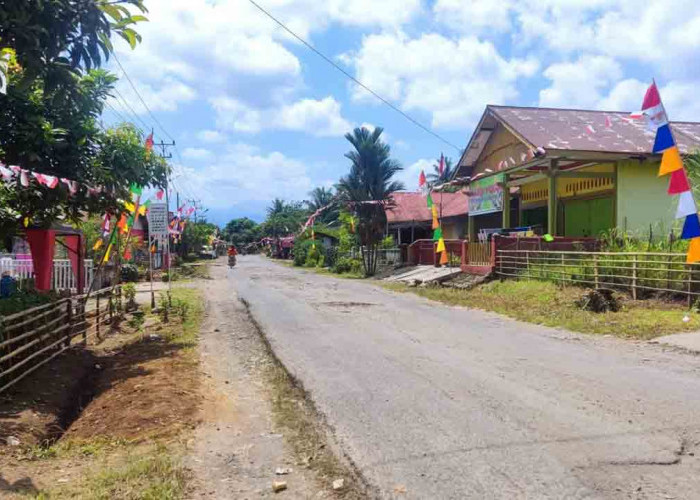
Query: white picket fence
62	277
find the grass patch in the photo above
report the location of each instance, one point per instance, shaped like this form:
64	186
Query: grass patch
549	304
72	448
188	308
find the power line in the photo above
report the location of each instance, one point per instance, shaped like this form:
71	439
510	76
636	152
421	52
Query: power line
141	98
128	106
339	68
117	113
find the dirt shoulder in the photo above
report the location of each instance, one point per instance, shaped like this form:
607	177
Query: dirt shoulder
257	426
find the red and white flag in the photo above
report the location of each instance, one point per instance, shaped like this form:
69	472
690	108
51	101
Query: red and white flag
441	166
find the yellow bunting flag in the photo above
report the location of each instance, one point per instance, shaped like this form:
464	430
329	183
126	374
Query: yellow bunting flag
435	211
443	258
670	161
693	251
130	207
440	246
106	257
26	221
97	245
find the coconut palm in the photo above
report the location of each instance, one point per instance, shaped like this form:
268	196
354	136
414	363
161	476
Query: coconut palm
435	177
367	189
325	198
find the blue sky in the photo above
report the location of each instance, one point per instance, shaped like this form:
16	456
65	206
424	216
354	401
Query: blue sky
256	115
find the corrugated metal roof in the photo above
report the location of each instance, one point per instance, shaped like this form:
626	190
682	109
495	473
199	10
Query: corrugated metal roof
412	206
586	130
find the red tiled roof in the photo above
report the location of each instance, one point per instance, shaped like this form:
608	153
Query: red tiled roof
412	206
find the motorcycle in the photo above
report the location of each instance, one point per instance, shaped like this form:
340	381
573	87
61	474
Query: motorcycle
231	261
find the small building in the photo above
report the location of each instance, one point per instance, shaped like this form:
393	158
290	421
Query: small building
572	172
410	219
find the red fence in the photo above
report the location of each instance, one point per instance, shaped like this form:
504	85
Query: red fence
422	252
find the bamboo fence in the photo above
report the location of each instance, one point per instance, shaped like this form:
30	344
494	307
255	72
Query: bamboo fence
31	338
640	273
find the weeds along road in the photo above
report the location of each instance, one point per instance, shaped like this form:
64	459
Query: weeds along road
437	402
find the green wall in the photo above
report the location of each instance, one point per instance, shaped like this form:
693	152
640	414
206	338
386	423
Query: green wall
642	199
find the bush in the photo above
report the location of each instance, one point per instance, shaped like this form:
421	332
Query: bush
347	265
301	251
129	291
388	242
130	273
314	257
23	299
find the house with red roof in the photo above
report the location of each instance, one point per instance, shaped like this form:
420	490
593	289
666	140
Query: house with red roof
409	218
572	172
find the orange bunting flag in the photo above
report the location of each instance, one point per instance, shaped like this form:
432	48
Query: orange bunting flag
440	246
123	224
443	258
693	251
436	223
153	248
670	161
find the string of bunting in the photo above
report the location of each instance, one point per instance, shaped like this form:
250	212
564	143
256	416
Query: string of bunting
672	165
436	226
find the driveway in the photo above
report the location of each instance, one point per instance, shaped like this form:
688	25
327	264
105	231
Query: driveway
431	401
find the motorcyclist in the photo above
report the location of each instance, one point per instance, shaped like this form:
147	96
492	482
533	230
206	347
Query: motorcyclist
232	252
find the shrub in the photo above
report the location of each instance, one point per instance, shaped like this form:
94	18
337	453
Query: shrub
347	265
301	250
130	273
24	299
388	242
314	257
129	291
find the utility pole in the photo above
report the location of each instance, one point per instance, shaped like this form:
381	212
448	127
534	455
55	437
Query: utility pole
165	155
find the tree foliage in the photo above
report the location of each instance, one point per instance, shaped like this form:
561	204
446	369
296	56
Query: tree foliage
284	218
242	231
321	197
434	177
367	189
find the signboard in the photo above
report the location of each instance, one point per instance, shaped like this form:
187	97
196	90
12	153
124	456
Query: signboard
486	195
158	219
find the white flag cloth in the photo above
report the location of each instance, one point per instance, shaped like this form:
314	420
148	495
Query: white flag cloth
686	205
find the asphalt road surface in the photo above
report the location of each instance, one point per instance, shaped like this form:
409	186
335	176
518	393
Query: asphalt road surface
435	402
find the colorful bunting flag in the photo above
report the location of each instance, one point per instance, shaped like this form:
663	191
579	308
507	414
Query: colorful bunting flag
436	223
678	182
127	254
437	234
686	205
149	142
421	179
107	252
670	161
159	195
429	201
97	245
444	258
136	189
693	251
664	139
691	227
441	166
440	246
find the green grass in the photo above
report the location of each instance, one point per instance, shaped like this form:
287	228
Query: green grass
548	304
188	306
74	448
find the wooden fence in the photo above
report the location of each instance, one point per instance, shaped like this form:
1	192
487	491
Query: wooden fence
32	338
639	273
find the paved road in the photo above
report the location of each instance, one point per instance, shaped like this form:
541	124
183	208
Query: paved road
457	403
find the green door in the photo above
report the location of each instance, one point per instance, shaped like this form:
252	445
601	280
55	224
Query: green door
588	217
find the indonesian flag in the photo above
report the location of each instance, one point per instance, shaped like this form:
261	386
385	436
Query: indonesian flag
653	110
441	166
149	142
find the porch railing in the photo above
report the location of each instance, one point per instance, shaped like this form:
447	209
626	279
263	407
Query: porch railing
63	277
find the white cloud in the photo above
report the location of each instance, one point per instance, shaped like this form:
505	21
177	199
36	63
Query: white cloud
410	174
242	173
579	84
211	136
450	79
196	153
473	15
321	118
626	95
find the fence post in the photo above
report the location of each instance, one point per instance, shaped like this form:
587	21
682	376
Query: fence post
69	319
97	315
634	278
595	270
690	284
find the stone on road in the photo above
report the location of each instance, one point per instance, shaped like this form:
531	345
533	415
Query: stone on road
457	403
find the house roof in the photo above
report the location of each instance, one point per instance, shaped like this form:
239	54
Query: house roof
560	130
412	206
569	129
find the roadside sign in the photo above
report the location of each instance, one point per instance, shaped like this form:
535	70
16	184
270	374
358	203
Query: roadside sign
158	219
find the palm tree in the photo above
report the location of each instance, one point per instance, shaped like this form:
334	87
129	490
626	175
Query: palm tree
368	188
276	207
435	177
323	197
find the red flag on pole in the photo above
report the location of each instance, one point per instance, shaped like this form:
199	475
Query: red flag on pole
149	142
441	167
421	179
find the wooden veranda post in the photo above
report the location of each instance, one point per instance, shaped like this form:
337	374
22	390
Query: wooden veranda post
552	199
634	277
506	202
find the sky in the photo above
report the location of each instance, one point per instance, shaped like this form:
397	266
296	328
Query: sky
256	115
